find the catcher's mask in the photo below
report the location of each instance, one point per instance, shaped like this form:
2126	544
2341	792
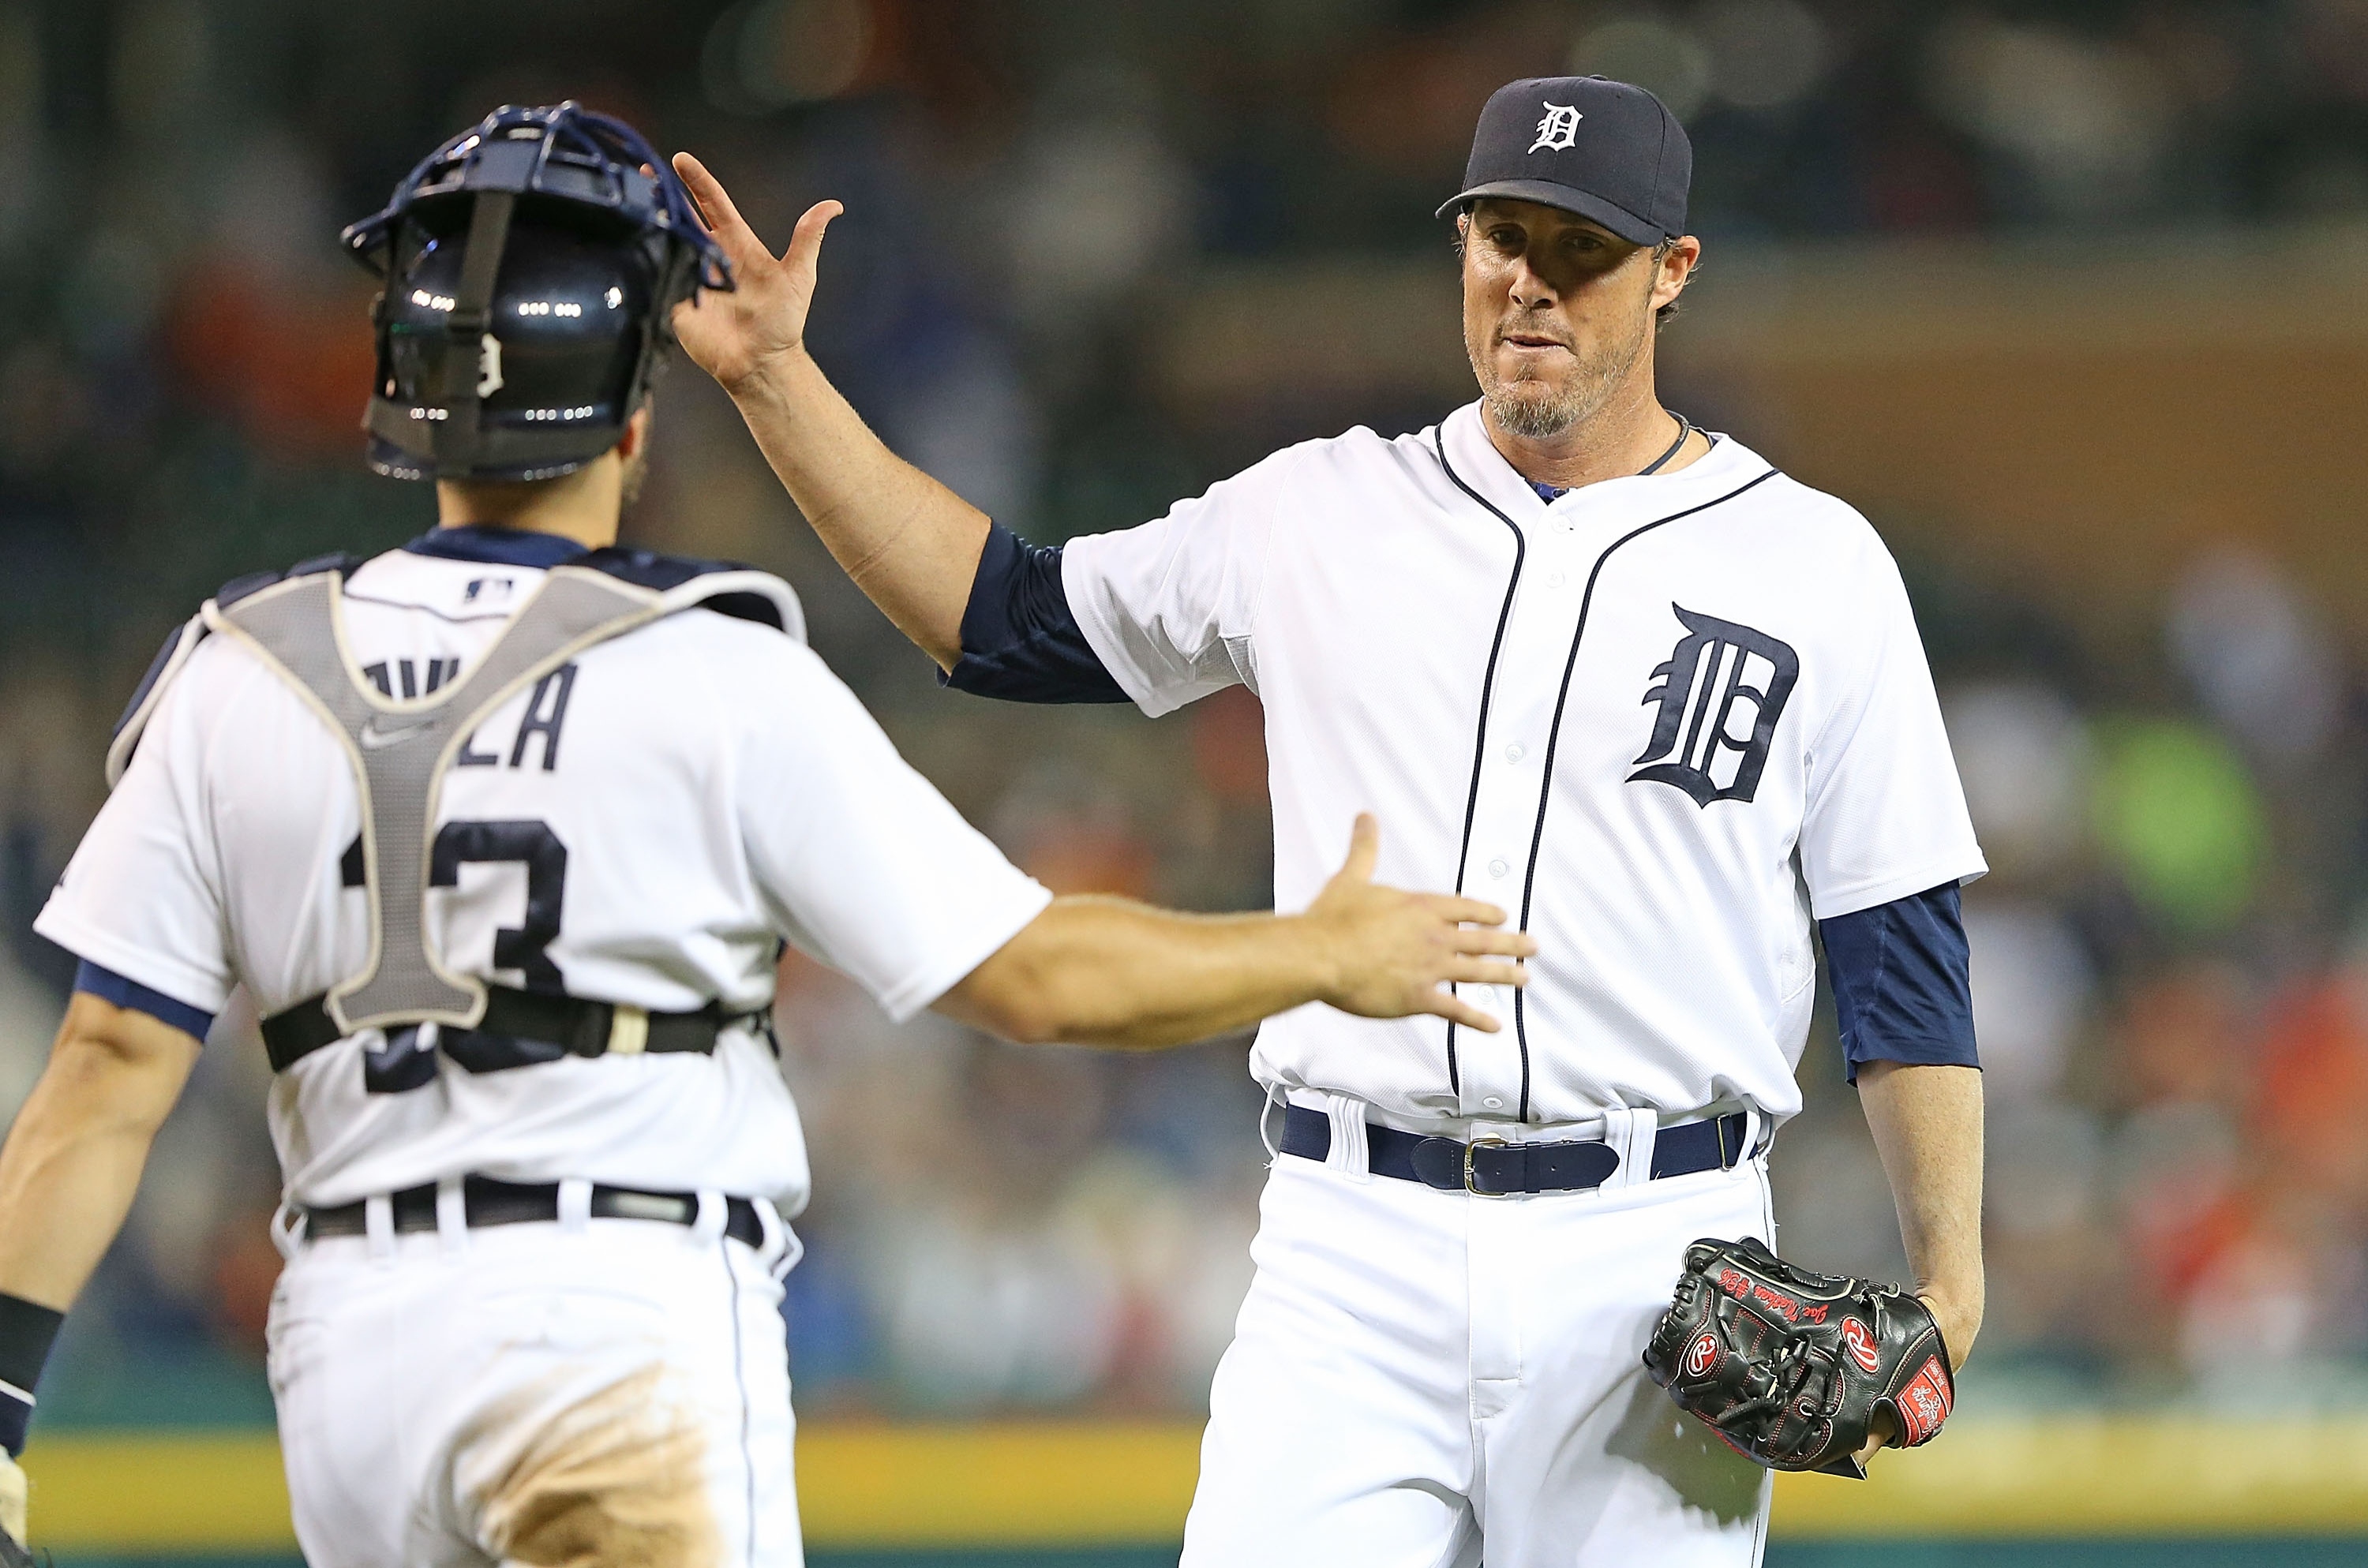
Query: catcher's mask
530	266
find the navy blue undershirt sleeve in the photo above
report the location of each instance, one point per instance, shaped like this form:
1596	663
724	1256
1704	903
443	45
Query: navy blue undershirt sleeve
109	987
1902	980
1020	640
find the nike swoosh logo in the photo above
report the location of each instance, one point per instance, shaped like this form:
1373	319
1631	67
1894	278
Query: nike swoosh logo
375	739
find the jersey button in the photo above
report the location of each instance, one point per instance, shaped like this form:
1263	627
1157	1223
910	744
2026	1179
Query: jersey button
1493	1103
1514	753
1554	579
1497	867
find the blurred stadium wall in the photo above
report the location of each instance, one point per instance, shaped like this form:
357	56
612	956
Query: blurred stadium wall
2068	298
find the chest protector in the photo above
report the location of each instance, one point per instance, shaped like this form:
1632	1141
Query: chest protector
401	749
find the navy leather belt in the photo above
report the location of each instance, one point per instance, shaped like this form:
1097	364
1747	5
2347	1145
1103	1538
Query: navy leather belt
489	1202
1491	1169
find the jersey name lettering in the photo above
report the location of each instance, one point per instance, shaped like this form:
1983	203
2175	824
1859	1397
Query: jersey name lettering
1716	668
439	672
546	712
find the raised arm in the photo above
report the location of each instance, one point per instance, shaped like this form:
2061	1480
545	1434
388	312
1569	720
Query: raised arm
1109	972
907	541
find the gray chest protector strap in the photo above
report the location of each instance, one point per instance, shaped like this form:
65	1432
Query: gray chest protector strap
402	750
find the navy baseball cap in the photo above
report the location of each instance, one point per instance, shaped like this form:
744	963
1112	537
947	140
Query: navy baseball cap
1605	150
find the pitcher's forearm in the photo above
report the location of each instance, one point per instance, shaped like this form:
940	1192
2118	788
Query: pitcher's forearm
73	1160
911	544
1926	1122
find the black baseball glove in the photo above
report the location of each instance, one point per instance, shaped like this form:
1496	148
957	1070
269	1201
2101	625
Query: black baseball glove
1793	1370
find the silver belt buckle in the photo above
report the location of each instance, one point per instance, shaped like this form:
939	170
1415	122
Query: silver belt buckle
1469	1149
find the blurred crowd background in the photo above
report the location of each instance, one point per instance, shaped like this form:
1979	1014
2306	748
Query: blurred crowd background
1976	267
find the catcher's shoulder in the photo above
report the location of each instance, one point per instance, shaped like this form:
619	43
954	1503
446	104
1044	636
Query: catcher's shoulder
752	594
184	644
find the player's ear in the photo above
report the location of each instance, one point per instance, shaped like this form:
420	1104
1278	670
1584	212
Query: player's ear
636	439
1675	269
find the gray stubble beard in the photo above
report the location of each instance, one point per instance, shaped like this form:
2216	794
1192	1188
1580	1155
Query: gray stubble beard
1557	413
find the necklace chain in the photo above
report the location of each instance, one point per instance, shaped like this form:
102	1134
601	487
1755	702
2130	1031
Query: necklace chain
1685	430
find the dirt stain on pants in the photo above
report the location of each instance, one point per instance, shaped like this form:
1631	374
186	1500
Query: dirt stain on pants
619	1479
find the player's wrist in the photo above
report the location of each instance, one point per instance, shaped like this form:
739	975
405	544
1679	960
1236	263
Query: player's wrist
1320	946
1958	1312
767	381
27	1330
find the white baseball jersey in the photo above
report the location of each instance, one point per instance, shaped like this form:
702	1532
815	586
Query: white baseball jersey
1662	721
711	788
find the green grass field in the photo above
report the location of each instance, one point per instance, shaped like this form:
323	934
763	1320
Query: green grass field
2089	1492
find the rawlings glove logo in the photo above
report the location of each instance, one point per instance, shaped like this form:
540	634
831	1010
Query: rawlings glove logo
1858	1340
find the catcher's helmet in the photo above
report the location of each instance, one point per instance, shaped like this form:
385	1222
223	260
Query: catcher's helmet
530	267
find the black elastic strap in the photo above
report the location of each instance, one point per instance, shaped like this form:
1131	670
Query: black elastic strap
515	1022
456	436
485	1201
1503	1169
489	234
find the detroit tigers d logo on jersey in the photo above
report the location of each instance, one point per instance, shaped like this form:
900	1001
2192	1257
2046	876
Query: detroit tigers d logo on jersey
1720	676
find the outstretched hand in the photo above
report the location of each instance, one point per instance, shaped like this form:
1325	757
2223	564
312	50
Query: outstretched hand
735	337
1397	951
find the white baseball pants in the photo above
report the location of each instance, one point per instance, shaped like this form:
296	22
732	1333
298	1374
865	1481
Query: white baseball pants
562	1394
1431	1380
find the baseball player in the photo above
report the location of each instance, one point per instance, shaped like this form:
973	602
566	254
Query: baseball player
503	832
1578	655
